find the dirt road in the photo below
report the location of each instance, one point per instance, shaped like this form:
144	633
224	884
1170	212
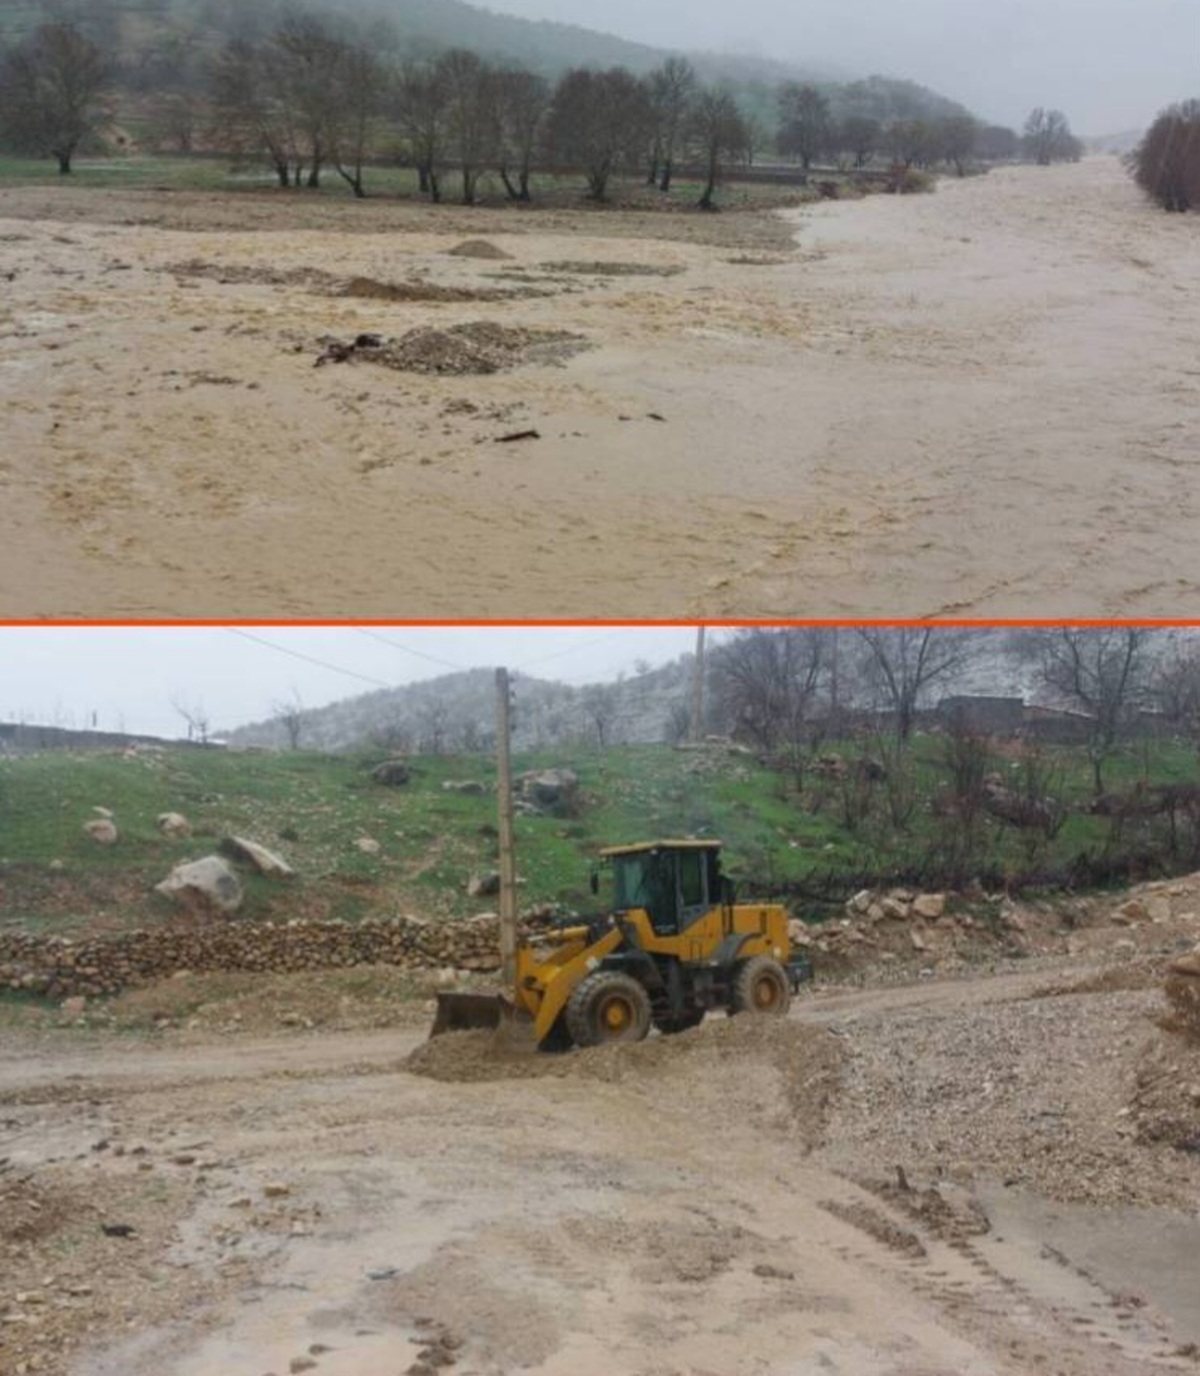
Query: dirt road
979	402
722	1201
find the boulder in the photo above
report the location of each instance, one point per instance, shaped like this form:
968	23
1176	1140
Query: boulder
1188	966
549	788
174	825
367	845
251	853
393	773
483	885
204	885
929	905
861	901
472	788
102	830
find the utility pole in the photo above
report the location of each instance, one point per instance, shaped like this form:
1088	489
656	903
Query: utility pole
508	863
696	726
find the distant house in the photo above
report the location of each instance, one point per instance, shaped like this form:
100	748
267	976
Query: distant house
986	716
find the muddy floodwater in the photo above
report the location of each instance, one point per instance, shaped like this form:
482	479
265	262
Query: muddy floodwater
981	402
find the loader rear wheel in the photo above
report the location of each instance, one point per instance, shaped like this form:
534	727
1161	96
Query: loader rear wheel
760	985
608	1007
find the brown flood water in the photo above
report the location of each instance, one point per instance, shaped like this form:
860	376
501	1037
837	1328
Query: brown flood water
979	403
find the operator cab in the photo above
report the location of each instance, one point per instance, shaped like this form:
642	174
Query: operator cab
676	882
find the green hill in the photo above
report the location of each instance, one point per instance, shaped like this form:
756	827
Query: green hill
817	844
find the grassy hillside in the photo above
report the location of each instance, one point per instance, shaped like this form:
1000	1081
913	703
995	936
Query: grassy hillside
313	808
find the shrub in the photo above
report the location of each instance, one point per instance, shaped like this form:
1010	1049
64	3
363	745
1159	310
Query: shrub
1166	164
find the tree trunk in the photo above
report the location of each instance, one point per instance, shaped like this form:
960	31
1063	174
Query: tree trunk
64	164
435	188
523	182
509	189
664	183
423	178
706	199
469	178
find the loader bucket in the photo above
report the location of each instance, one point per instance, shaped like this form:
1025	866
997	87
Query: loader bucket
488	1012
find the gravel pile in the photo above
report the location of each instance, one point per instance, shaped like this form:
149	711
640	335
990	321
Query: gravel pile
1053	1092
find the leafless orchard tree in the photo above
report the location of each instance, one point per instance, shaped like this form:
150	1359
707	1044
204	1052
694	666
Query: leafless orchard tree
472	115
598	123
1103	672
193	713
901	663
718	133
51	94
523	103
805	123
1048	138
770	686
420	108
671	90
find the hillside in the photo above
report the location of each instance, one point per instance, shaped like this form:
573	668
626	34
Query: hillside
364	849
164	45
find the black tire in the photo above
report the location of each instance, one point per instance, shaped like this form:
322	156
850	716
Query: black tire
761	986
608	1007
679	1022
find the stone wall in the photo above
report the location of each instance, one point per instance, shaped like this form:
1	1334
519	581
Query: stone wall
61	967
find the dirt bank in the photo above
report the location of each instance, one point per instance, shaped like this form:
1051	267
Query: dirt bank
978	402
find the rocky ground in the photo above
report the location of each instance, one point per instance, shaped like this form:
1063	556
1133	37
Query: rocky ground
981	1166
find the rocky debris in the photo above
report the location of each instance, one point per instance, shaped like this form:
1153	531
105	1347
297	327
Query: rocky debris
263	860
102	830
1182	989
479	248
927	905
392	773
474	348
367	288
483	885
205	887
173	825
367	845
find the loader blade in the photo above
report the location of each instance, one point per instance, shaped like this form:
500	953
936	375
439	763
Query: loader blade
487	1012
467	1012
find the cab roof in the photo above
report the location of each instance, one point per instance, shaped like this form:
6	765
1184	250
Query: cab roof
677	843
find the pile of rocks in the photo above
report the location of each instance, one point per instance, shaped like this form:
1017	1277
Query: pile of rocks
60	967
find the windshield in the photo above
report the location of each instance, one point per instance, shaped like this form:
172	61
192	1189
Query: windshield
631	881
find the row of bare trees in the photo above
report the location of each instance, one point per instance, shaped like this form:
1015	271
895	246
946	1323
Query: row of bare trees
1166	163
786	692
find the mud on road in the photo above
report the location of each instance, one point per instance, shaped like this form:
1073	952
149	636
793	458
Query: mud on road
946	1177
975	403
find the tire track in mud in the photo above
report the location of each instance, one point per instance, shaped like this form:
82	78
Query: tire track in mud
986	1286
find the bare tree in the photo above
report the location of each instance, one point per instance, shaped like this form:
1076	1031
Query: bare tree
50	94
1166	163
249	120
1048	138
670	93
598	123
195	716
718	132
1102	672
860	136
522	102
352	126
805	126
902	663
955	139
601	703
419	107
472	116
289	713
768	684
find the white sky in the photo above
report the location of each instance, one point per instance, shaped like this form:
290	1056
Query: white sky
1110	65
130	676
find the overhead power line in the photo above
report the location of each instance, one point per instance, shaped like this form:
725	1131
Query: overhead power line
309	659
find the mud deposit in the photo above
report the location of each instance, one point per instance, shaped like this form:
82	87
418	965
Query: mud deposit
925	1179
980	402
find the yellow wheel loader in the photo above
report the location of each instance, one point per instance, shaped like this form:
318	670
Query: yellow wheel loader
674	945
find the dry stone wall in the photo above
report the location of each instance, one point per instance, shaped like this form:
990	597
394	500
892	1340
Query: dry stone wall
61	967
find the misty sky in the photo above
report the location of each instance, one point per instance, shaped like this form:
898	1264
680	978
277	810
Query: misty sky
130	676
1109	64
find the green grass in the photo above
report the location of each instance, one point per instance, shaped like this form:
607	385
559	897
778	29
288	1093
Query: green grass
313	808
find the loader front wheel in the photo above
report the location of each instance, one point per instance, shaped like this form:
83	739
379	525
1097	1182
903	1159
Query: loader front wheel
760	985
608	1007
